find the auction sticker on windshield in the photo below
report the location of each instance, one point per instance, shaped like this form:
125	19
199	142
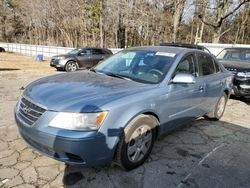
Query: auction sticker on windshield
165	54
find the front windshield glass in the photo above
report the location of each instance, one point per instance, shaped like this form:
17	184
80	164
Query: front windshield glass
74	52
141	66
241	55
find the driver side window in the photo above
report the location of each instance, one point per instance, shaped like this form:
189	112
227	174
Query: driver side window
84	52
187	65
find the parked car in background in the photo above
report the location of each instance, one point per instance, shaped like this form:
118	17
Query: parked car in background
2	49
237	60
79	58
185	45
117	109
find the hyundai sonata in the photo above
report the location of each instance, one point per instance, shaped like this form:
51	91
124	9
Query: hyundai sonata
116	110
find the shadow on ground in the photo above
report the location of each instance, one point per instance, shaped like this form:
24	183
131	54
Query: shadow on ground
8	69
201	154
242	99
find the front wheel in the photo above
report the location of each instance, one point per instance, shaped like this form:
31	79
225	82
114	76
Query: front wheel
219	108
137	142
71	66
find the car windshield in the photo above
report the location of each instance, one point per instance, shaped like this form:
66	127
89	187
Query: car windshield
140	66
74	52
230	54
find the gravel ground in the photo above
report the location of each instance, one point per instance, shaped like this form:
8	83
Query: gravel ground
202	154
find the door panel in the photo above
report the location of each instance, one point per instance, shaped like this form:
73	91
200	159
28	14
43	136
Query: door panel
84	58
97	56
214	85
212	78
183	101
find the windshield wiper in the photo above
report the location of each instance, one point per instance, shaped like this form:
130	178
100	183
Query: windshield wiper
117	76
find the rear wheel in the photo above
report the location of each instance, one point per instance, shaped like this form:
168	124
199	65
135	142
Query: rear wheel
137	142
219	108
71	66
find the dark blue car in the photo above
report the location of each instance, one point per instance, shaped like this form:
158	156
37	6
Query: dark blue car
116	110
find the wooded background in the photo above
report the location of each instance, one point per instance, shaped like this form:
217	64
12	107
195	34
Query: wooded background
124	23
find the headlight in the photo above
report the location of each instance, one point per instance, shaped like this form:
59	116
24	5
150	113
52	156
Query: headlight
243	74
78	121
62	57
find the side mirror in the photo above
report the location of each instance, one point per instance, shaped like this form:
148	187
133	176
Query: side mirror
183	78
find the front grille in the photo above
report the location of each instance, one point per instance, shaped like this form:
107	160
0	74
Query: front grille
29	112
54	61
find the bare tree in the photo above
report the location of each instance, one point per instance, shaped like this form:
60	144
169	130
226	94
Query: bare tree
122	23
178	11
222	10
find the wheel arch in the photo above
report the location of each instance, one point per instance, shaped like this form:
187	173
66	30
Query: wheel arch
72	60
145	113
158	121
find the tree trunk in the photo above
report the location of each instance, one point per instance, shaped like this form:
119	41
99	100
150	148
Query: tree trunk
101	25
179	7
216	35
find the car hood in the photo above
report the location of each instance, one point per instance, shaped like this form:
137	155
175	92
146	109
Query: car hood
237	65
81	91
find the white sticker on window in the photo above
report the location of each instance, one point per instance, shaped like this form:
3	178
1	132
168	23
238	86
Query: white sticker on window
165	54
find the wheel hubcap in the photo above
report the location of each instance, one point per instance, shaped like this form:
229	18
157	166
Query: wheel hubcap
72	67
221	106
139	143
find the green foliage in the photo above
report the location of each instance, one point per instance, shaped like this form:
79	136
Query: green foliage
92	10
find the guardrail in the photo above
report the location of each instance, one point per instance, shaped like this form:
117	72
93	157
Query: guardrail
34	50
49	51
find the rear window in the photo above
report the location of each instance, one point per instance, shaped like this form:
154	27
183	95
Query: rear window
230	54
97	51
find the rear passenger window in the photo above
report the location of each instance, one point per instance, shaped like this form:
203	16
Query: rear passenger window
207	64
97	51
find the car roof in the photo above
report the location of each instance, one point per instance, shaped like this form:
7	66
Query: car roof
82	48
185	45
237	48
169	49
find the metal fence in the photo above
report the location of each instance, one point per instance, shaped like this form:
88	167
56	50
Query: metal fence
34	50
49	51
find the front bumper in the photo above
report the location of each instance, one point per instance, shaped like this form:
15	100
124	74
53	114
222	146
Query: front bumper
82	148
58	63
241	87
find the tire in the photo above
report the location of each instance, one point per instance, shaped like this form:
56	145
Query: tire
2	49
219	108
137	142
71	66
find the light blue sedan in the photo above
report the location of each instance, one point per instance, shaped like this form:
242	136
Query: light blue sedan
116	110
